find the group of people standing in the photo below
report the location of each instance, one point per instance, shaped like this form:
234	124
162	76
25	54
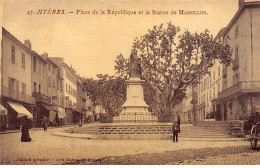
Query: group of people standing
26	124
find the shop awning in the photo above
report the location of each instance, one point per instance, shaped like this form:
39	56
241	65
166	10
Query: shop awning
52	115
20	109
3	110
61	112
50	108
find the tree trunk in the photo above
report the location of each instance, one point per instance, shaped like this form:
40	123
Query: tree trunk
169	111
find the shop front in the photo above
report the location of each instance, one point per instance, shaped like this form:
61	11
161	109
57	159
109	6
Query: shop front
3	114
61	115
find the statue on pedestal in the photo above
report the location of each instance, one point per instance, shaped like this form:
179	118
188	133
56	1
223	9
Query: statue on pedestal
135	65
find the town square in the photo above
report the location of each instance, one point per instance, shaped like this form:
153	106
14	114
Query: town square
130	82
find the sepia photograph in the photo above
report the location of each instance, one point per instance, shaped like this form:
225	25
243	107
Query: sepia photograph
130	82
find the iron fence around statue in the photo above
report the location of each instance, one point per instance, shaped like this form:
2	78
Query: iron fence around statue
135	118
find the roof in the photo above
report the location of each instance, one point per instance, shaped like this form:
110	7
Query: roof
34	53
8	34
255	4
70	69
220	33
52	62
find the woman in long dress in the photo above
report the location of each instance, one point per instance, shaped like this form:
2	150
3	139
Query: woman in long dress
26	125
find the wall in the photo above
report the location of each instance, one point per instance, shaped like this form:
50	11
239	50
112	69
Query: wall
256	43
72	84
15	70
39	76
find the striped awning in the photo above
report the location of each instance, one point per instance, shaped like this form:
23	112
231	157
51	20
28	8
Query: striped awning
20	109
61	112
3	110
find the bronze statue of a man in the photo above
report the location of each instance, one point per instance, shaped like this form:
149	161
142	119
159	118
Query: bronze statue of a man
135	65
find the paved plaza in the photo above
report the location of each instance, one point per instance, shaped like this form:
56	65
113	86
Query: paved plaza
47	148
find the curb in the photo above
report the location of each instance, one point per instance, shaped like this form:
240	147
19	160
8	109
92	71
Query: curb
34	129
71	136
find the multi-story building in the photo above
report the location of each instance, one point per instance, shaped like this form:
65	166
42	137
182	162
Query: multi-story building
16	89
91	113
186	113
3	111
194	102
81	100
208	87
47	89
241	80
69	84
52	88
39	87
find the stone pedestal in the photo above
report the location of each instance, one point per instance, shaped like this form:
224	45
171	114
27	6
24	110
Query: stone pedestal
135	108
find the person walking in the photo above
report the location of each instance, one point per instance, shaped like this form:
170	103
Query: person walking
45	123
175	130
179	123
80	123
25	126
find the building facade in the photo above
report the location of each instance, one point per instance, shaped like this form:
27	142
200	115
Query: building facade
207	91
186	112
81	100
241	80
38	86
16	89
69	84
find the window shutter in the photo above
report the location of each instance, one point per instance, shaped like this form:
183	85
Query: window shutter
10	86
17	89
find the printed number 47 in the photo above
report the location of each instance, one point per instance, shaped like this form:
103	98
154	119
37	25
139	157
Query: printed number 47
30	12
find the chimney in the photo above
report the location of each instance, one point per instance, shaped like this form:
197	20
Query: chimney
240	3
28	44
44	55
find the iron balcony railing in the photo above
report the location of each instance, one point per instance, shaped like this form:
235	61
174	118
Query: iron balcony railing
41	97
16	95
245	86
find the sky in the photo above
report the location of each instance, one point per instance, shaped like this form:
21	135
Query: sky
91	42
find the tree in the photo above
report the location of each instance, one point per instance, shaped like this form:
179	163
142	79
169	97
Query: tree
107	91
172	60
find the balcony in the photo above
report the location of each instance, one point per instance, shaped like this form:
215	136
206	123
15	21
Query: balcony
224	72
235	64
246	86
13	94
40	97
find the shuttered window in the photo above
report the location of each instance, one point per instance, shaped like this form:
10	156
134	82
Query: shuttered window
13	54
23	61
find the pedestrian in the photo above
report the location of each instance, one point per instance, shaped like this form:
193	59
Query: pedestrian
175	130
179	123
45	123
80	123
25	126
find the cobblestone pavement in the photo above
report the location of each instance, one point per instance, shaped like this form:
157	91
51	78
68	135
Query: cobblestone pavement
239	155
48	149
